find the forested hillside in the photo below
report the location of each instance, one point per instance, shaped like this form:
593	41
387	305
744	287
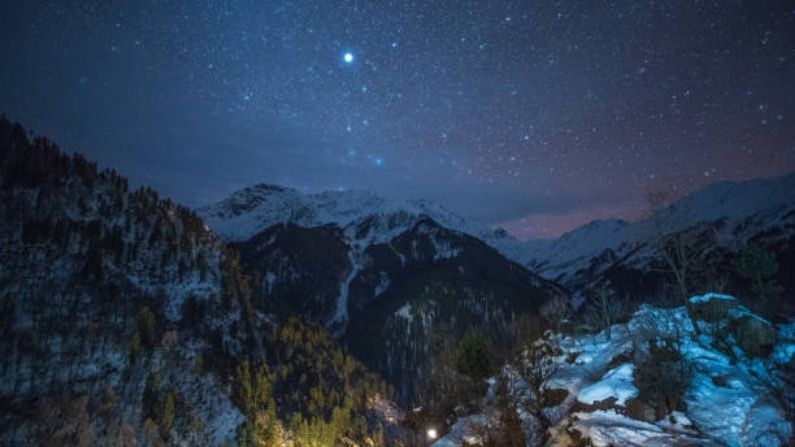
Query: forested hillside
126	322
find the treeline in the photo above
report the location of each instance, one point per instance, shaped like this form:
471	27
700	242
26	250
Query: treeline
65	201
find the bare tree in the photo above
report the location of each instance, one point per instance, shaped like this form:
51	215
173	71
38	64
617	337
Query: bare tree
556	310
606	309
667	233
679	256
535	366
502	426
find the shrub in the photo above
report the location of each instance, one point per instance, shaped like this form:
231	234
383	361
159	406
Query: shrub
552	397
662	379
606	309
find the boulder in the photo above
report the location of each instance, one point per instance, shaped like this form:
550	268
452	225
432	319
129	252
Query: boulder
643	411
754	335
711	307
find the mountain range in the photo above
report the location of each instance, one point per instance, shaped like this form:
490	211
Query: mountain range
379	273
276	316
725	216
743	210
384	276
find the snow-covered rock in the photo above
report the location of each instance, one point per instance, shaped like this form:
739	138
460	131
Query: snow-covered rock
608	428
467	430
616	383
711	307
752	333
730	398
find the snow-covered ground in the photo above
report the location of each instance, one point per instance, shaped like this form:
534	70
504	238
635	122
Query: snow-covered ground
615	383
729	400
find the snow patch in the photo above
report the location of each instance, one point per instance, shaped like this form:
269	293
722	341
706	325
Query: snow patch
405	312
698	299
341	312
383	284
270	280
608	428
616	383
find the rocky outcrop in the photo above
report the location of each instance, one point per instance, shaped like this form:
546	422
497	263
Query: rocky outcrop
712	307
674	385
752	333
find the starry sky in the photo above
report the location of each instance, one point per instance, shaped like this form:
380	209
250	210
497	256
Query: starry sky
537	116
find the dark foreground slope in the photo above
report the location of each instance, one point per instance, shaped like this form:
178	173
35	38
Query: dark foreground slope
126	322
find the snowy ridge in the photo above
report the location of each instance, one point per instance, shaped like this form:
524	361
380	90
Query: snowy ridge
254	209
745	208
735	200
575	248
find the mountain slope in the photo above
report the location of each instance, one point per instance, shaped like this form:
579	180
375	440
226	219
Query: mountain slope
125	321
718	220
385	276
251	210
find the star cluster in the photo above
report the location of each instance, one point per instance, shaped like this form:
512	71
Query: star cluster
537	116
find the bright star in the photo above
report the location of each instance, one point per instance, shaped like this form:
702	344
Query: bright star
348	57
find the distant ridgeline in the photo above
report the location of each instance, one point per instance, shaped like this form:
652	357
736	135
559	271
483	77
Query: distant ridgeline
735	237
126	321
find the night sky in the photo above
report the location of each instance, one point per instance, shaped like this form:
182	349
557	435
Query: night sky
535	115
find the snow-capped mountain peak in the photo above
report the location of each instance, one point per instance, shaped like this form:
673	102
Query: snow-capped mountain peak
249	211
743	209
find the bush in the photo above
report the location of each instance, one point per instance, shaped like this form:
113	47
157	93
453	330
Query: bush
552	397
662	379
605	309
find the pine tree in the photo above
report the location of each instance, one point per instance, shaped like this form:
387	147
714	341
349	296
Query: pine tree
473	357
151	395
244	388
167	420
146	326
760	266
